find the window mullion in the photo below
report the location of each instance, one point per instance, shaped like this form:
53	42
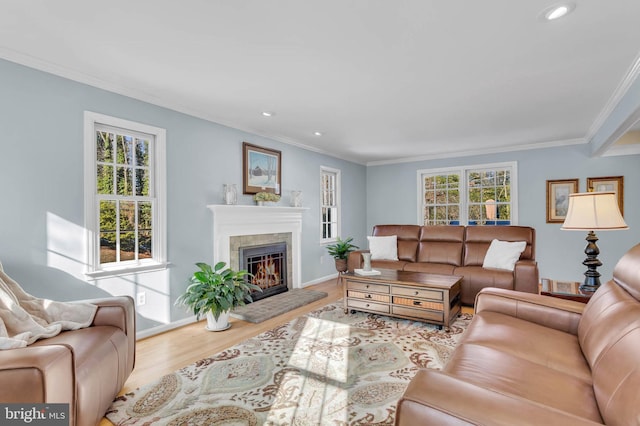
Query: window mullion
117	231
463	176
137	231
114	164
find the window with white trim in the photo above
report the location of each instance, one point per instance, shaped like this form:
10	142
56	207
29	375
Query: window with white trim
124	194
329	204
469	195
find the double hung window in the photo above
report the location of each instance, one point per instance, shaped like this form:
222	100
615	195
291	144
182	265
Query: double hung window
124	194
329	204
471	195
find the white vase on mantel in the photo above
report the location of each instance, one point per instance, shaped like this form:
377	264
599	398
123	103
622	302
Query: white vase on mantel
222	323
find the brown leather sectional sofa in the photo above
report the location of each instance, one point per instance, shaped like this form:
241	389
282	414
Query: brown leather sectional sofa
459	250
84	368
536	360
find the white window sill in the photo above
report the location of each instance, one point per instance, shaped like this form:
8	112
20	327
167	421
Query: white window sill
328	241
127	270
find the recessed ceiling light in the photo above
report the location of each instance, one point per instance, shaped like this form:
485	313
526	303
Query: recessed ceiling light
268	113
317	133
557	11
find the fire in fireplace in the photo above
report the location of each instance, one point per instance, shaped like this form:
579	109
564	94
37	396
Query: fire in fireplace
268	265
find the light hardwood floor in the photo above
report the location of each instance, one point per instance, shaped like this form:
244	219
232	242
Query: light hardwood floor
167	352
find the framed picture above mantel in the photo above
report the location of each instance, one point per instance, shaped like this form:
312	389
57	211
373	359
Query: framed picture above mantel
608	183
558	198
261	169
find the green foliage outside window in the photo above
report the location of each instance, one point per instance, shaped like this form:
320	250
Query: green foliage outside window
487	199
123	185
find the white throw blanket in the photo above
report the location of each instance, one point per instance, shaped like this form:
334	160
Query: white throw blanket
25	319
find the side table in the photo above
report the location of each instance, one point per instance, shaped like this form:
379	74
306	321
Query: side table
569	290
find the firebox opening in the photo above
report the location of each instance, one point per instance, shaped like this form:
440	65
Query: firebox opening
268	265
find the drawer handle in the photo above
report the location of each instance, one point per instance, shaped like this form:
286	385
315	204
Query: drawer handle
417	293
367	305
366	286
368	296
417	303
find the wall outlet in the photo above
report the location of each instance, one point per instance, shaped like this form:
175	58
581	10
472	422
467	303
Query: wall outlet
141	298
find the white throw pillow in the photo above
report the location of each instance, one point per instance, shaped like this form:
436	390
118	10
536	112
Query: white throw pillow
383	248
503	254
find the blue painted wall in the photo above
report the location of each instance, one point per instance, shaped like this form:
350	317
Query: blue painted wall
41	183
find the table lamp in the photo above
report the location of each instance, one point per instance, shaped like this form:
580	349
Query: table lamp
590	211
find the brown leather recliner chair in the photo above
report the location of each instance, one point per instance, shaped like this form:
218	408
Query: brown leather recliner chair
85	368
528	359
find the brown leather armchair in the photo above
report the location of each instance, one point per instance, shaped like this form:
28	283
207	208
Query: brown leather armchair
85	368
528	359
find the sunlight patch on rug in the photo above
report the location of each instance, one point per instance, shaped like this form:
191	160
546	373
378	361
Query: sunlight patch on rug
326	367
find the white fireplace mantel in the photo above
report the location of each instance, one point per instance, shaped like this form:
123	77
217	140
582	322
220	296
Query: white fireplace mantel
234	220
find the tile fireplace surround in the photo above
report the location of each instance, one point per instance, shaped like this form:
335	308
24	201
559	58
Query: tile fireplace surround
237	220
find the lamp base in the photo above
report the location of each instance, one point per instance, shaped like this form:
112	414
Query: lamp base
592	276
589	287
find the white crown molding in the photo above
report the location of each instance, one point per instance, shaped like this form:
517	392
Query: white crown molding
628	80
79	77
618	150
484	151
609	143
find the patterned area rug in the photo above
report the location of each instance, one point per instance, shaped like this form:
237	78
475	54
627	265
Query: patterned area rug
324	368
273	306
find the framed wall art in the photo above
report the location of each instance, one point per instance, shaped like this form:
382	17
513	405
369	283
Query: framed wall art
558	198
608	183
261	169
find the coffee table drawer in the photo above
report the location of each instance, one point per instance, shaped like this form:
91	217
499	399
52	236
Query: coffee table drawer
368	306
363	286
384	298
417	303
417	292
418	313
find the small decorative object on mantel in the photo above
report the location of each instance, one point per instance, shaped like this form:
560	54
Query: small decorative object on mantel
266	198
230	193
296	198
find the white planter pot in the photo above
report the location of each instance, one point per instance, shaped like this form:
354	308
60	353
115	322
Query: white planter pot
221	324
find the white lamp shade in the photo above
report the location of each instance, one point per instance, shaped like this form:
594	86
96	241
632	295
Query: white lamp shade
589	211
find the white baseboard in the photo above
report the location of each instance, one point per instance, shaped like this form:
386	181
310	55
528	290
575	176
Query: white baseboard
164	327
320	280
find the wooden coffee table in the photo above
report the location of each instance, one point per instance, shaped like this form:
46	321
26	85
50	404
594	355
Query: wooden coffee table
419	296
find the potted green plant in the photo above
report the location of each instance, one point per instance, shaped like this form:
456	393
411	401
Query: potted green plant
266	197
340	252
214	292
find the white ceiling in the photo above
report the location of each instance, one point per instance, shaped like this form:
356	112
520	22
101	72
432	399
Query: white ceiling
383	80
